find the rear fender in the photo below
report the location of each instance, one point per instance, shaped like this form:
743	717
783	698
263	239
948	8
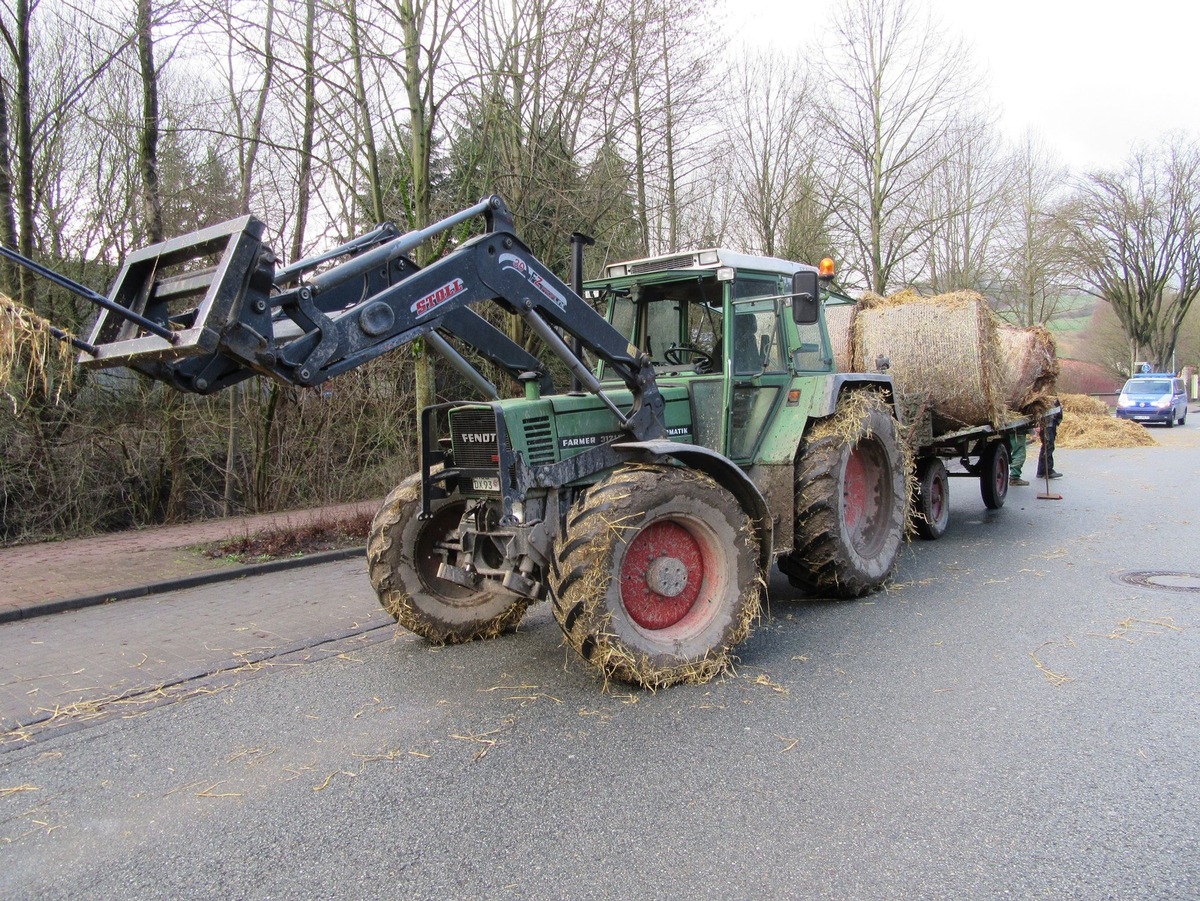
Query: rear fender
827	403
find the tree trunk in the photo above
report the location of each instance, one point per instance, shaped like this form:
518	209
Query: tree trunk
669	138
9	278
24	113
304	176
255	137
148	147
377	213
639	138
419	87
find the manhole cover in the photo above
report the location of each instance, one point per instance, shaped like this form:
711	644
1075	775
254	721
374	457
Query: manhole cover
1163	579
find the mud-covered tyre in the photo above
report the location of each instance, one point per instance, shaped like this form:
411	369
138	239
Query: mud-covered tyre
994	465
403	565
656	578
931	506
851	501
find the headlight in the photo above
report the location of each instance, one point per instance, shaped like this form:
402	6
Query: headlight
1163	404
1123	401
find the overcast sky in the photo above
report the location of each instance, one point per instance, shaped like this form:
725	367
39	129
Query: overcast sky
1091	77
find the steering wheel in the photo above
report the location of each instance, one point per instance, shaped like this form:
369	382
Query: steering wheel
675	356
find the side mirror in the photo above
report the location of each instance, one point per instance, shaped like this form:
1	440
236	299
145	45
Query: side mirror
806	297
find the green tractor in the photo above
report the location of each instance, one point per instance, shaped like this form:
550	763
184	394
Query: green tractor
655	551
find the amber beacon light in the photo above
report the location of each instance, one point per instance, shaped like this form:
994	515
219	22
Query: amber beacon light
826	268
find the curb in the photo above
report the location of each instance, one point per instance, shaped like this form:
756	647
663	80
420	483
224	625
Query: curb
62	605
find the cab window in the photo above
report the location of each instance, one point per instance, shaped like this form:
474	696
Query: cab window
679	324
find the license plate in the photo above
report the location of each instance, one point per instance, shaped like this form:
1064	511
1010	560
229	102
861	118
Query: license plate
1141	417
485	484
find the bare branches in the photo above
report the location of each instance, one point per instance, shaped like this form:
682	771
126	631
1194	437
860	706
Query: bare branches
896	85
1136	236
773	150
1035	268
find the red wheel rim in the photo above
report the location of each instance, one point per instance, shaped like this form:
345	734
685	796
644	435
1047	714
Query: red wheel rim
661	575
937	499
866	496
854	491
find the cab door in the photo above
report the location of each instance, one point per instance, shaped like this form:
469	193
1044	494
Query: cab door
755	361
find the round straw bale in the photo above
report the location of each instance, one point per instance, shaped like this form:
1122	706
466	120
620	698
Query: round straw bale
1030	366
839	319
945	347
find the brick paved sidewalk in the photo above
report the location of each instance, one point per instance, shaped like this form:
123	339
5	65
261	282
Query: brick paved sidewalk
43	577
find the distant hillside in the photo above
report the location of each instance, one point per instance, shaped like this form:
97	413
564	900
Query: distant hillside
1074	314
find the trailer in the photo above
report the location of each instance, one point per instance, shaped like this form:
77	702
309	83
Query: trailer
980	452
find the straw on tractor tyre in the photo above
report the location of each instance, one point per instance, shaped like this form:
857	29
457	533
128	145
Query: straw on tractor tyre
852	501
403	564
656	577
994	474
931	506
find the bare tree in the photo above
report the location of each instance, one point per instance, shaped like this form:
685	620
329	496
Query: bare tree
427	30
896	83
670	93
9	278
363	114
1136	238
772	152
148	138
966	192
1035	269
307	127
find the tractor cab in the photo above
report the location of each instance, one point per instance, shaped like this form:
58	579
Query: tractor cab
722	327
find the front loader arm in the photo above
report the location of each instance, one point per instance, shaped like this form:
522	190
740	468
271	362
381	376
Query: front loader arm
206	310
494	268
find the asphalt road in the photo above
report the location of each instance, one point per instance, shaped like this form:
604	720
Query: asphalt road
1008	719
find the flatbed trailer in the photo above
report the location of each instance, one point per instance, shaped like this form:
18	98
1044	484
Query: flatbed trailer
982	452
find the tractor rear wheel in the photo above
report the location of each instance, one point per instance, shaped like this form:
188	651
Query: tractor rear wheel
403	560
656	578
851	501
932	513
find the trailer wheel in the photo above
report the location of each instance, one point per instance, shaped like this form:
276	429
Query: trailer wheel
993	474
403	566
851	501
656	577
932	513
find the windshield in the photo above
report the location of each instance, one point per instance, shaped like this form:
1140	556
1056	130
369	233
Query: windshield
1147	387
678	323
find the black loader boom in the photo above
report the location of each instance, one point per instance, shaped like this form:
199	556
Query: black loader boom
209	309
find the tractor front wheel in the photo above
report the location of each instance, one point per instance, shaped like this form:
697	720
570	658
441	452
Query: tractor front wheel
851	501
403	557
656	578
